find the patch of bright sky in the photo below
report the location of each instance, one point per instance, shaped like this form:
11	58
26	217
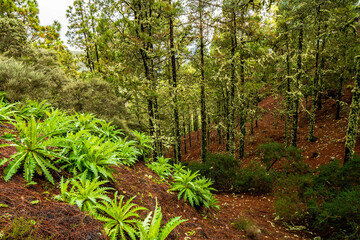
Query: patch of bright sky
55	10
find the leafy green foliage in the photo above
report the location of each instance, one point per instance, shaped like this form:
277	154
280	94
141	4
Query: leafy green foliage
150	228
120	218
274	151
161	167
84	192
108	131
90	153
219	168
18	228
57	122
253	179
127	151
33	108
6	110
144	142
33	151
290	201
194	189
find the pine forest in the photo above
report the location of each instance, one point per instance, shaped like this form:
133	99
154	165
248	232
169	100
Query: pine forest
180	119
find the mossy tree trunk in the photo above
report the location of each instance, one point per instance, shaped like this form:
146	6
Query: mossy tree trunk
174	84
202	87
311	137
353	116
297	85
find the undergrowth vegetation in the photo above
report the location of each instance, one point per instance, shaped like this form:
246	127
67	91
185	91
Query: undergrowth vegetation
49	140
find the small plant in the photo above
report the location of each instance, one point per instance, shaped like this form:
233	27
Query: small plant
57	122
161	167
84	193
150	228
219	168
144	142
33	151
254	179
33	108
242	224
127	151
108	131
178	168
90	153
6	110
195	190
86	121
18	228
120	218
272	152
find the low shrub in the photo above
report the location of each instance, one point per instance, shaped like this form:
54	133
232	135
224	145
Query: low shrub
254	179
219	168
290	157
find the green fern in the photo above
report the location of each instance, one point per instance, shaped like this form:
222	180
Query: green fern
6	110
161	167
33	151
194	189
84	193
57	122
150	228
86	152
108	131
127	151
144	142
120	218
33	108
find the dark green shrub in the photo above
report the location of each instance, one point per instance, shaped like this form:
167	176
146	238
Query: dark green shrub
291	201
219	168
290	157
340	217
254	179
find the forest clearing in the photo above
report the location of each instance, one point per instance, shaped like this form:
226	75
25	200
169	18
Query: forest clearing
196	119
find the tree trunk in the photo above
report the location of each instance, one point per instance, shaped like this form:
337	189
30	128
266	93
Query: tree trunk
288	96
353	116
298	79
232	84
174	78
202	91
315	83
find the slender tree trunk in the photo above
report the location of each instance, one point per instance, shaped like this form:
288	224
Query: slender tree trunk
298	79
202	90
322	66
288	97
242	113
353	116
339	96
189	130
315	83
232	84
184	130
174	78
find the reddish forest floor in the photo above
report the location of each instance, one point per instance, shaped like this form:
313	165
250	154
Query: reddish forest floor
57	220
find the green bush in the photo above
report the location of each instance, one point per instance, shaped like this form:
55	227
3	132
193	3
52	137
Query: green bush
291	202
254	179
290	157
120	217
161	167
219	168
194	189
341	216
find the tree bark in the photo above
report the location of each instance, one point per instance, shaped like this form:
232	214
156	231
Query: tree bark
353	116
298	79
